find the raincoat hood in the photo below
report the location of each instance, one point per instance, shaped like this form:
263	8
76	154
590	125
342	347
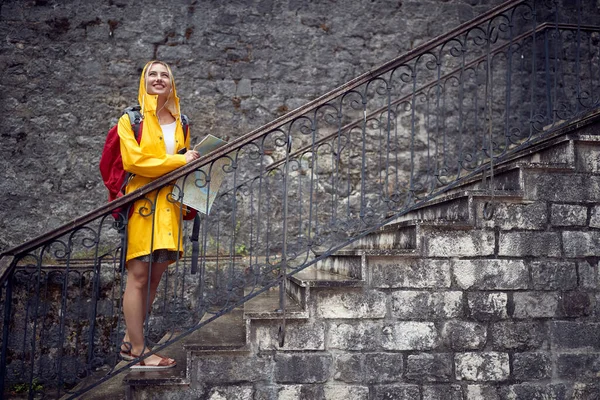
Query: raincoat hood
149	102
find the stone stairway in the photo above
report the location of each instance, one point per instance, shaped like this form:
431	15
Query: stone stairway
441	303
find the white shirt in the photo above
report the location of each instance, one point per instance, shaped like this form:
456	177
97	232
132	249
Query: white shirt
169	136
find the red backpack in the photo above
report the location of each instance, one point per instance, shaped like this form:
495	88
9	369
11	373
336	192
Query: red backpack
111	162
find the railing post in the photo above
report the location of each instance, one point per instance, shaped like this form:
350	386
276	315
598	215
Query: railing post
283	265
5	327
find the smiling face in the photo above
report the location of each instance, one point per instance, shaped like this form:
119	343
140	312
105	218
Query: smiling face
158	80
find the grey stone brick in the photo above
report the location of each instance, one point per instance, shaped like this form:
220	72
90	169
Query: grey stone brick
532	366
508	216
368	367
576	303
581	244
429	367
364	335
587	157
567	187
586	391
535	304
348	367
589	275
345	392
426	305
595	217
383	367
395	392
351	304
481	392
464	335
409	336
299	335
487	306
519	244
244	392
584	367
288	392
484	366
302	368
443	392
534	391
408	273
491	274
518	336
568	215
223	369
576	335
553	275
458	243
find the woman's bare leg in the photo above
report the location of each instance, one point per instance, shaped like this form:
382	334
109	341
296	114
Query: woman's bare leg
137	300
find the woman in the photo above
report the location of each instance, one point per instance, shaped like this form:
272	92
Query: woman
154	234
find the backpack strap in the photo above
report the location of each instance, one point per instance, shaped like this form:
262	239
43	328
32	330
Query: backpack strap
185	124
135	117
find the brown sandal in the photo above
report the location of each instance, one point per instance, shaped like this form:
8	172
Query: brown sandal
164	363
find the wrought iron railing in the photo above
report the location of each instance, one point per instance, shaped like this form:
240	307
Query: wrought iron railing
302	187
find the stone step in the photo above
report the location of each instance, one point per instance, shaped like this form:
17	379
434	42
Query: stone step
226	333
266	306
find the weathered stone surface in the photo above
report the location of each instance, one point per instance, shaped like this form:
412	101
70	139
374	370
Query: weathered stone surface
396	392
458	243
302	368
586	391
409	336
342	392
518	244
485	366
553	275
589	275
442	392
576	335
409	273
595	217
518	336
299	335
223	369
369	367
354	336
535	304
464	335
351	304
429	367
485	306
568	215
534	391
587	159
581	244
585	367
426	305
481	392
532	366
245	392
288	392
576	303
491	274
562	187
509	216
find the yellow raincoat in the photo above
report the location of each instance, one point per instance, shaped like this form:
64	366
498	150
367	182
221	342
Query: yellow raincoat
155	222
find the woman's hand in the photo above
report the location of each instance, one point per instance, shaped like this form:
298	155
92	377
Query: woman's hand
191	155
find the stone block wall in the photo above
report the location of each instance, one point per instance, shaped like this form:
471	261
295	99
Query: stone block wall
506	310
